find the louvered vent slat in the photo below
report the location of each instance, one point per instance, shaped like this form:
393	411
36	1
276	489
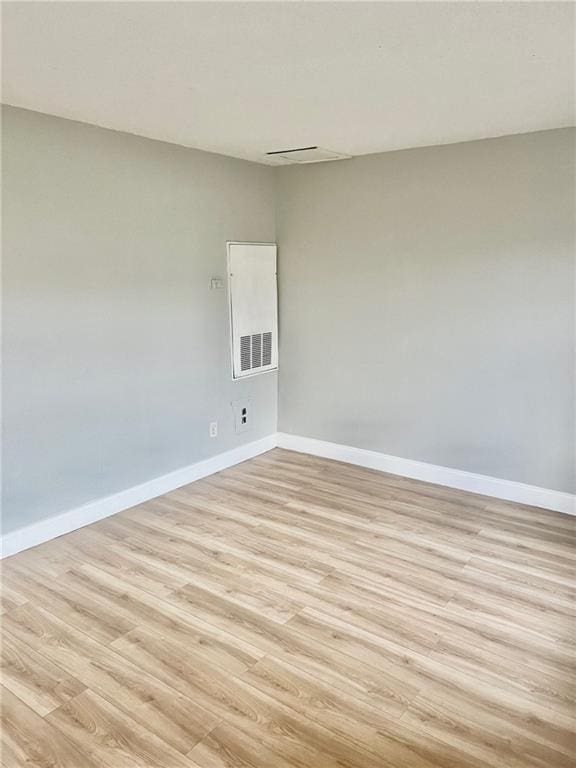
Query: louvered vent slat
245	360
267	348
256	350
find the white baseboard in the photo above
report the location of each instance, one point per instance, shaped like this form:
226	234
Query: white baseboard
44	530
37	533
509	490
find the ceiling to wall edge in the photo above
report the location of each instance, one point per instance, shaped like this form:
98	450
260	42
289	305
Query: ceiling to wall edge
285	162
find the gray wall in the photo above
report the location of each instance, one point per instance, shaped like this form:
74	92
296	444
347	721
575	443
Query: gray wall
116	353
427	305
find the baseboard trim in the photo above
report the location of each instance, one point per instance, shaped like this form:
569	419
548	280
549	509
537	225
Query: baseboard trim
508	490
37	533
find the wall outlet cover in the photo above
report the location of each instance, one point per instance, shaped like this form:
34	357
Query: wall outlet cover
243	414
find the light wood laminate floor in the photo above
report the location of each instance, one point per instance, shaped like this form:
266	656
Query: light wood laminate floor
294	611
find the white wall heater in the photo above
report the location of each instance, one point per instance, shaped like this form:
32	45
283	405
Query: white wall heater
252	288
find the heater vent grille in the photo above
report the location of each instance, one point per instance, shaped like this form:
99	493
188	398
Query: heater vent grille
253	308
255	351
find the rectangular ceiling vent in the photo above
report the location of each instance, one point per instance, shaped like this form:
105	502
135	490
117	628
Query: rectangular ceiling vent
306	155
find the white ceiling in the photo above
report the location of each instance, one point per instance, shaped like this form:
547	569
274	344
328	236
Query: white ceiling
242	79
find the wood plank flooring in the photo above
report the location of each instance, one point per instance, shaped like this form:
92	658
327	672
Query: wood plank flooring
295	612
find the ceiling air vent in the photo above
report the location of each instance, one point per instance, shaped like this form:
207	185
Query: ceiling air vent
306	155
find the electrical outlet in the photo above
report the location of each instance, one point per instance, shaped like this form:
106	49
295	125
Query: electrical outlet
213	429
243	414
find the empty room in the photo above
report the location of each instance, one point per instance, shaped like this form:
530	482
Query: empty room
288	385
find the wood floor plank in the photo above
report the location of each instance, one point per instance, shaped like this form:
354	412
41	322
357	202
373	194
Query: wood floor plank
514	708
295	612
38	682
29	740
237	704
485	737
548	688
110	737
10	598
62	597
230	747
353	716
178	720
